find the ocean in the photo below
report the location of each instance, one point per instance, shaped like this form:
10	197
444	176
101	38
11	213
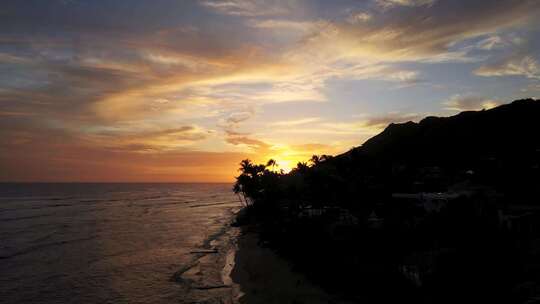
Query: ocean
113	243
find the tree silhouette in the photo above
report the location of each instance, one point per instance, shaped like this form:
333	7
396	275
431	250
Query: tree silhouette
271	163
315	160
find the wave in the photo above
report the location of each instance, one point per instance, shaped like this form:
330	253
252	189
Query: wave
47	245
21	218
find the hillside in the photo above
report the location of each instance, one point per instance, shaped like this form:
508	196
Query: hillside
437	211
500	145
467	135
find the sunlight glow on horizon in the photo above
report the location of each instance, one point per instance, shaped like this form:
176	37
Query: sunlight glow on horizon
285	165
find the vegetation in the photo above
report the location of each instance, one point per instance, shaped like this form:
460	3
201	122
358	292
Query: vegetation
365	221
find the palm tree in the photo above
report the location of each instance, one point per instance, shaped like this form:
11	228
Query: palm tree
244	182
249	182
324	158
237	190
271	163
246	166
302	167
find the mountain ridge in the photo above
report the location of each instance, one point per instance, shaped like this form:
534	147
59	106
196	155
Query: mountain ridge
519	117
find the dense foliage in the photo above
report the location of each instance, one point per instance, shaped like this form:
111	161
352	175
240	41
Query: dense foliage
339	220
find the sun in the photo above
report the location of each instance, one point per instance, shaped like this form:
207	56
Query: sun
286	158
285	165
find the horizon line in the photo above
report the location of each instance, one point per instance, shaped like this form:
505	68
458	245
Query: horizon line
105	182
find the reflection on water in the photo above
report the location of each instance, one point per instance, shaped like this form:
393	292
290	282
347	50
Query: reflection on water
98	243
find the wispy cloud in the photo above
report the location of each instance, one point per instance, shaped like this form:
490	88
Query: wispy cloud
424	35
392	3
491	42
248	8
296	122
395	117
358	17
514	66
469	102
250	142
145	139
363	124
283	24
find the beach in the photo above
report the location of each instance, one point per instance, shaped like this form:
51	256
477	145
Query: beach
250	273
264	277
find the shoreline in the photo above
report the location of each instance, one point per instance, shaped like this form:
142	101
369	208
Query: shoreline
207	279
259	275
231	267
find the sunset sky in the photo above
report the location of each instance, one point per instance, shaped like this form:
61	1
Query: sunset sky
183	90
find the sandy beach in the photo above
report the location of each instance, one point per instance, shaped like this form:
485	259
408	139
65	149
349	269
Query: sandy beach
264	277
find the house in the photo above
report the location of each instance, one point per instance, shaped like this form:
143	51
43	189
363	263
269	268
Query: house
521	219
429	202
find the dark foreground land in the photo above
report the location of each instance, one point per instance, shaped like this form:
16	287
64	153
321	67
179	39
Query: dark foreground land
441	211
266	278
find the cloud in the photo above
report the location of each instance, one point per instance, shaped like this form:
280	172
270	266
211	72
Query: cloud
296	122
532	88
427	34
70	161
396	117
248	8
232	121
258	146
282	24
126	153
199	71
491	42
379	71
192	63
364	125
127	137
514	66
237	117
246	79
412	3
469	103
62	89
358	17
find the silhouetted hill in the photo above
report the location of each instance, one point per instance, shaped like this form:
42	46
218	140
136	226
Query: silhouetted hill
437	211
507	130
501	146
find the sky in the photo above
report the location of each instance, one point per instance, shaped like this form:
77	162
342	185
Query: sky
181	91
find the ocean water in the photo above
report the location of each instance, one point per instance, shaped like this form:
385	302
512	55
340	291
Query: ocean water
107	243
